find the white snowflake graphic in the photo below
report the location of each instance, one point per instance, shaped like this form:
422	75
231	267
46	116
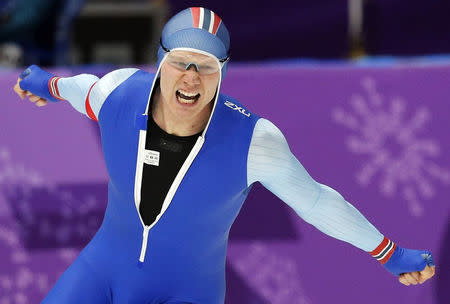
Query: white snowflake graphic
275	277
15	286
392	142
15	177
22	282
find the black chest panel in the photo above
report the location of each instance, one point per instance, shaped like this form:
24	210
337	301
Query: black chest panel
159	176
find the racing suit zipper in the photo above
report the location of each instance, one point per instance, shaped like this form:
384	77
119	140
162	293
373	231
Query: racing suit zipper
144	243
140	166
172	190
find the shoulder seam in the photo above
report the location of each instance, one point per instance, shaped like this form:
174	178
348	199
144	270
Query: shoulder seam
106	85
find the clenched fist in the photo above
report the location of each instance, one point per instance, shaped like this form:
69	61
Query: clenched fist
39	101
417	277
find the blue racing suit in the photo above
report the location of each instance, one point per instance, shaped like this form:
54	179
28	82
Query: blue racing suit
180	257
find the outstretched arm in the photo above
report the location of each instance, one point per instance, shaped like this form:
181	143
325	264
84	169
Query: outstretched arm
85	92
271	162
41	87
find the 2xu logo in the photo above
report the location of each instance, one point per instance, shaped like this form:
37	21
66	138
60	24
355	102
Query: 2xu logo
235	107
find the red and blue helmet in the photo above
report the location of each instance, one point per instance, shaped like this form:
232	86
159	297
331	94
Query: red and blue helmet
196	28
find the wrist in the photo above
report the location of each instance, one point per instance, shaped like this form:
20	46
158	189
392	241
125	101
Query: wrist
53	88
383	252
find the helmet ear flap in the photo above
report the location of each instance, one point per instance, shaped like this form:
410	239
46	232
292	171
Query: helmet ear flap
161	54
224	69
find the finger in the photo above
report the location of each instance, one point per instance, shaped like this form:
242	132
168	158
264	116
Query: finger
428	271
29	93
17	86
415	275
19	90
34	98
410	279
403	280
41	102
426	274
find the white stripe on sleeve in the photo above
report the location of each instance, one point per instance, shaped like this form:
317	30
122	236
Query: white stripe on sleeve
75	89
106	85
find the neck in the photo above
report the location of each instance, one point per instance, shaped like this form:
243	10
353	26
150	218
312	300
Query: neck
178	126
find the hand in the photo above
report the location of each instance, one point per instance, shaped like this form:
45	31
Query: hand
411	266
38	84
33	98
417	277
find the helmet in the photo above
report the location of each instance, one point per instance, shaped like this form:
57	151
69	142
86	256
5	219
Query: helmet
197	28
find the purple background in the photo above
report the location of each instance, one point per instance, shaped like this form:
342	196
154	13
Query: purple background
319	29
53	184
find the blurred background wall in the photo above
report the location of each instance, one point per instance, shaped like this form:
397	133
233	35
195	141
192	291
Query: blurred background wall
346	81
55	32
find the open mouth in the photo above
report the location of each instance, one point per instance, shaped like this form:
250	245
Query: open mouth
187	98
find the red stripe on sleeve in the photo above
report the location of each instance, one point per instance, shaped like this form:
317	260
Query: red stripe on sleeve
89	111
54	93
195	15
50	86
380	247
217	21
56	89
388	256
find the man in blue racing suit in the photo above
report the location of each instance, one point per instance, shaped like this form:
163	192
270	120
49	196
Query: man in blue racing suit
174	190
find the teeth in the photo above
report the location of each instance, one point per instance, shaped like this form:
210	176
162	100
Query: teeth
182	100
186	97
187	93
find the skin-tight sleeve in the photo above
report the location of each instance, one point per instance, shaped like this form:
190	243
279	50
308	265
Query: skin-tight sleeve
271	163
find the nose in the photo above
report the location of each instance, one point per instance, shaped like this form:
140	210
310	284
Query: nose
191	76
